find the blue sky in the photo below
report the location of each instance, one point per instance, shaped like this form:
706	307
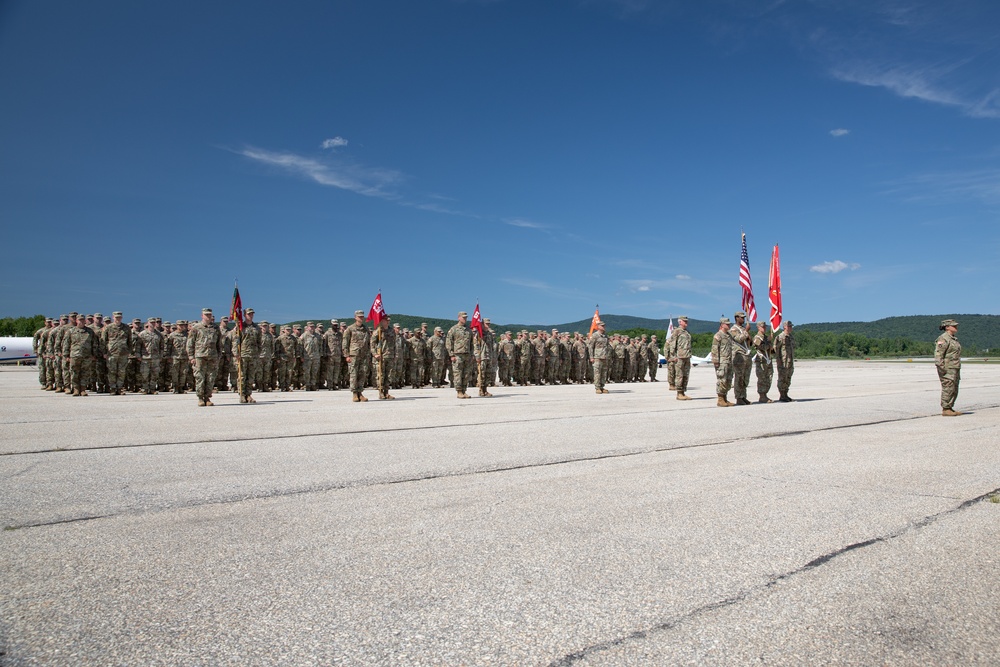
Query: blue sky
540	157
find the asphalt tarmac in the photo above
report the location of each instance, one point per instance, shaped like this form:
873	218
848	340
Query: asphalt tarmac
543	526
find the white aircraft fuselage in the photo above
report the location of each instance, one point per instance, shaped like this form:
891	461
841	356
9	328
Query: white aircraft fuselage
16	348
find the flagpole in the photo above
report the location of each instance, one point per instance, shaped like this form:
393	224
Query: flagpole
239	345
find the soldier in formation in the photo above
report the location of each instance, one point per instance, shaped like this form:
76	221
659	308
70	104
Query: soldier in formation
722	359
784	355
763	360
948	360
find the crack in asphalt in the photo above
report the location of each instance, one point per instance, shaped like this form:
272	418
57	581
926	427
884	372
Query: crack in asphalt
773	581
371	483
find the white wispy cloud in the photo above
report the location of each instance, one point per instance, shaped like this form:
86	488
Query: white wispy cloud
546	288
839	132
371	182
981	184
336	142
682	276
524	223
836	266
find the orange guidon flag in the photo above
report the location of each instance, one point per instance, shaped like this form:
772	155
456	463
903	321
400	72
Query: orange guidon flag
593	322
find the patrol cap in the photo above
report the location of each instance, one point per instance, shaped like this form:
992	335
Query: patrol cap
248	311
263	322
761	323
151	320
486	321
948	323
740	313
359	313
296	326
97	315
136	320
310	324
396	326
439	329
462	313
180	322
166	324
788	322
159	321
48	319
117	313
334	322
74	314
423	324
600	323
206	311
682	317
724	320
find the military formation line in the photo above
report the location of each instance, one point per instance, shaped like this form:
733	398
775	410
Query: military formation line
90	353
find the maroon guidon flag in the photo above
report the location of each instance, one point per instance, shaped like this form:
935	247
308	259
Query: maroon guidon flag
376	313
236	312
746	284
477	321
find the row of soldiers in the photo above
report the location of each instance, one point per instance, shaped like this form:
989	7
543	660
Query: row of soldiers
116	357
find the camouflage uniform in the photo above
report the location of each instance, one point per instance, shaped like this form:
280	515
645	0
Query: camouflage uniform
439	356
722	358
741	359
312	348
948	359
36	346
527	353
680	348
204	346
784	355
334	346
653	358
383	354
99	367
599	348
116	341
459	345
262	377
180	366
81	347
149	364
132	375
763	362
225	359
418	348
481	355
357	350
285	351
506	359
246	353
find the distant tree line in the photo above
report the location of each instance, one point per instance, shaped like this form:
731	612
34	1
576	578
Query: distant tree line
21	326
825	344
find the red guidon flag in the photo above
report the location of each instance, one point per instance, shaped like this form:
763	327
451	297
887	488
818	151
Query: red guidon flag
477	321
594	320
376	313
236	312
774	290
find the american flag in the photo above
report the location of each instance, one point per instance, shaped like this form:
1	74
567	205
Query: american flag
746	284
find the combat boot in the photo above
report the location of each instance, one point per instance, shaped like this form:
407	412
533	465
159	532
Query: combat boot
484	393
785	398
354	397
76	392
83	392
948	412
201	403
722	402
742	401
361	398
462	394
682	396
764	399
387	397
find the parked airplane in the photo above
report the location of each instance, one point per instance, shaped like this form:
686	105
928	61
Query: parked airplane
695	361
16	348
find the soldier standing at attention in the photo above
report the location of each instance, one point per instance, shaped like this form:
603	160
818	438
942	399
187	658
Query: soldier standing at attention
312	349
459	345
722	359
285	350
81	347
680	348
439	357
334	346
116	341
481	352
262	378
948	359
247	344
222	374
152	349
763	362
598	347
784	354
99	375
382	344
654	358
37	345
177	351
204	347
357	353
741	358
418	347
